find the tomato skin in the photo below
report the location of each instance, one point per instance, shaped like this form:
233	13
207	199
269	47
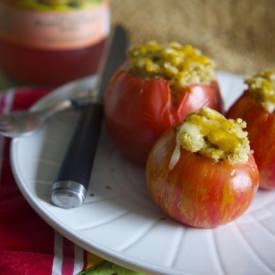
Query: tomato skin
138	111
261	134
198	191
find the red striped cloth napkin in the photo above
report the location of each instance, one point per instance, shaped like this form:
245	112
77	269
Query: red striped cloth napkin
27	244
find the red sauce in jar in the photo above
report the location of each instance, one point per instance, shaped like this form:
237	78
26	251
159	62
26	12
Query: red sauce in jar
48	67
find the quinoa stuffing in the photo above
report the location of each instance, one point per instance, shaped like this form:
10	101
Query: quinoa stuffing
210	134
262	87
182	65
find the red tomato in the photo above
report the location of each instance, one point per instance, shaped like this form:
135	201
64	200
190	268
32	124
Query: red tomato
139	110
261	134
199	191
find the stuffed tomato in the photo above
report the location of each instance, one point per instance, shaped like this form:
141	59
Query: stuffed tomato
154	90
256	106
202	172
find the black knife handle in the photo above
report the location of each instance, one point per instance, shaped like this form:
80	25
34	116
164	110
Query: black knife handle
81	152
70	187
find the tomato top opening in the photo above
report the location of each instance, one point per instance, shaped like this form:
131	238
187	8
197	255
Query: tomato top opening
182	65
262	87
209	133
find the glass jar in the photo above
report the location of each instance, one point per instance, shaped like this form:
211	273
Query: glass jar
50	42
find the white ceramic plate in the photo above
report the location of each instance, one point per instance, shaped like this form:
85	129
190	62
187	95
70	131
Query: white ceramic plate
119	222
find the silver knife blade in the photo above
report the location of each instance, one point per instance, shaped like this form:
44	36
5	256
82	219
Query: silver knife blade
70	187
115	55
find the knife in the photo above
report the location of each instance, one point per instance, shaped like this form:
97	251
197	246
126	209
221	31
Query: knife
70	187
